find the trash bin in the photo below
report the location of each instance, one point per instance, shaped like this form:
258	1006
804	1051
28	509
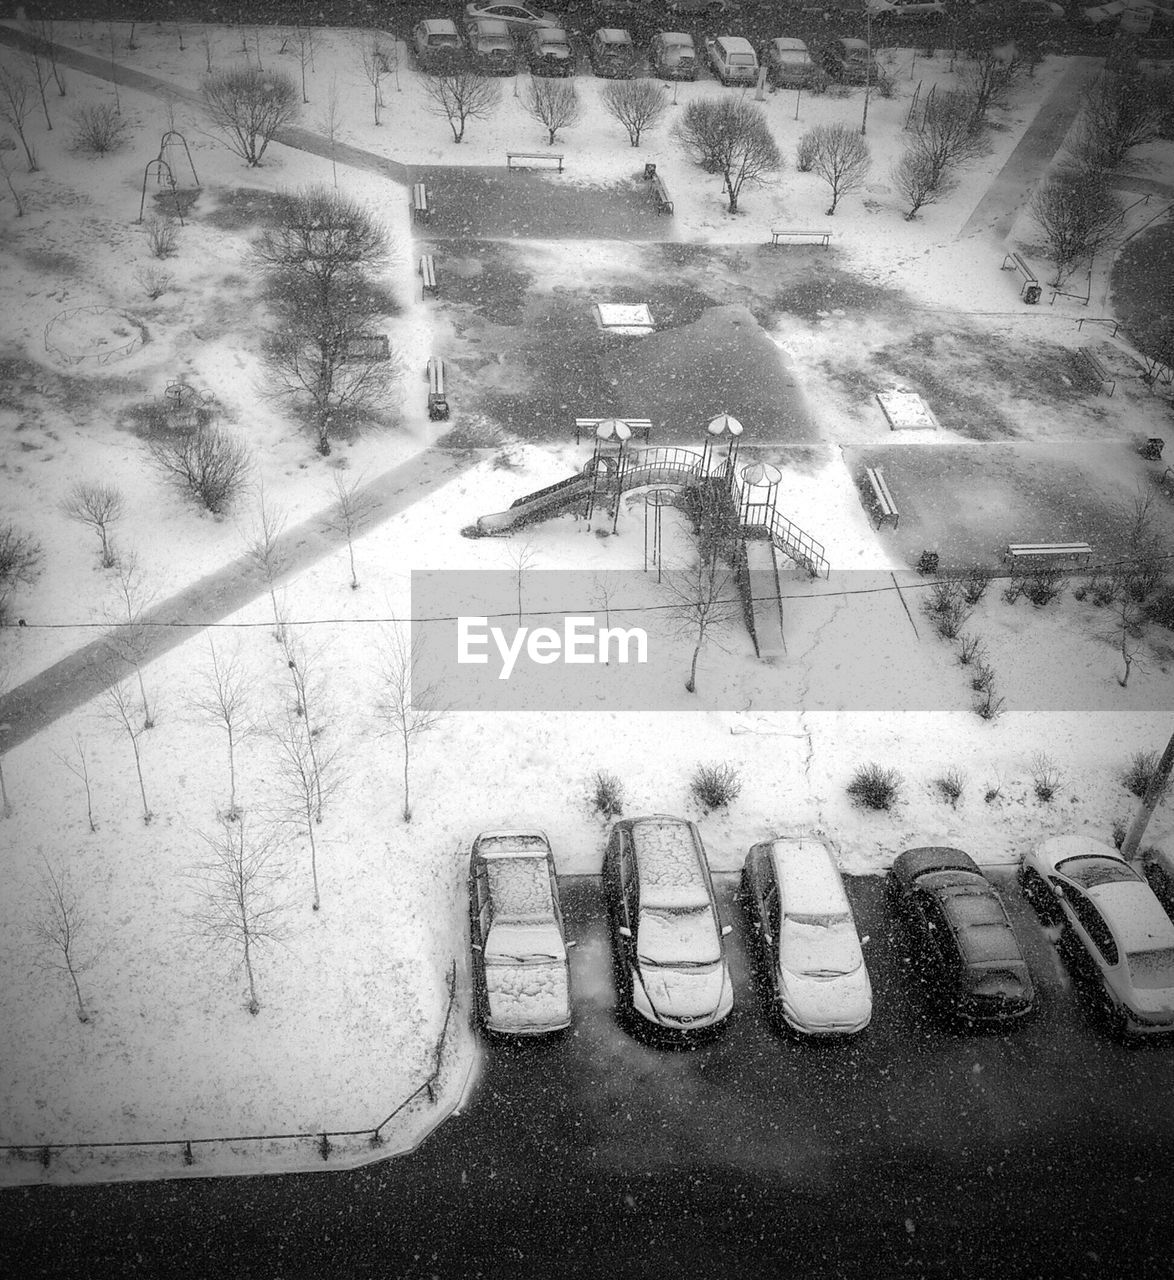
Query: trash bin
928	564
649	171
1152	450
1031	294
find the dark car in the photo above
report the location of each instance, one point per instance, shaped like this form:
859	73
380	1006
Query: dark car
491	46
961	940
850	61
667	933
548	53
612	54
520	969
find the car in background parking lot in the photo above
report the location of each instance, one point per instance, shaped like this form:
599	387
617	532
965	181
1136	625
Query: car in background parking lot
520	17
521	973
850	61
711	8
961	940
548	53
1115	930
666	931
491	46
807	938
612	54
905	8
789	64
733	59
1013	13
672	55
437	43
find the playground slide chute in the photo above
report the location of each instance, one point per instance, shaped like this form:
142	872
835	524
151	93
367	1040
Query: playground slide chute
551	501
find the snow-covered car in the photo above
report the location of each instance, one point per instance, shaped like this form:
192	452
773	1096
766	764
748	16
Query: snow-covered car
712	8
491	46
960	938
1102	14
807	937
1016	12
673	55
733	59
850	61
1159	872
905	8
666	930
789	64
437	43
1115	929
521	972
520	17
612	54
548	53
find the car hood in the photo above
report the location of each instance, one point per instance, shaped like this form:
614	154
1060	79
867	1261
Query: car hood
528	997
682	995
1156	1005
841	1002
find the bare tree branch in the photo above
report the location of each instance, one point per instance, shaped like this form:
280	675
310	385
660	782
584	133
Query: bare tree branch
408	712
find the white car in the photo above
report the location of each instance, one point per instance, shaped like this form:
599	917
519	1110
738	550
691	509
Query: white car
809	944
1099	15
733	59
905	8
520	17
1121	932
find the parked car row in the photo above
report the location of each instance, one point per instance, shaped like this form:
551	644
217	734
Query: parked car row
1117	932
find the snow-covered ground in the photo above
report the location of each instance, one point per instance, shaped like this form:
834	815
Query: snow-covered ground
354	999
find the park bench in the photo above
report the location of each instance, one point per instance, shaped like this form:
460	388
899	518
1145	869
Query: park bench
660	195
437	396
421	209
813	237
638	426
884	499
1091	365
1029	290
428	274
1033	552
532	159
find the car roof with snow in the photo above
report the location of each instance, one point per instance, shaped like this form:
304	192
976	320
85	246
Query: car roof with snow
809	882
678	39
439	27
1138	919
508	843
735	44
672	875
613	35
787	44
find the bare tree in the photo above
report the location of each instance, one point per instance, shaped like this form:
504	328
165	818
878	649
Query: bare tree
80	768
308	776
15	104
460	94
1122	110
987	77
210	464
408	711
61	928
20	563
373	56
730	137
918	178
704	604
42	74
638	105
223	698
841	158
1129	619
12	191
264	548
119	708
207	43
946	134
5	806
129	639
304	38
522	556
553	103
97	505
329	124
309	703
250	107
41	27
241	907
1078	213
1146	566
352	510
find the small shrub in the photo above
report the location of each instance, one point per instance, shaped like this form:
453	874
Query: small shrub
154	281
162	237
20	562
1143	765
1080	591
608	795
98	129
805	152
950	786
969	649
1042	586
716	785
886	85
1160	608
1102	590
974	583
1045	777
989	706
820	82
993	793
983	677
943	596
875	787
1120	831
949	622
210	464
1014	589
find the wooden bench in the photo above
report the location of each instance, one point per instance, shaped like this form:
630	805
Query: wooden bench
1021	552
814	237
660	195
437	396
532	159
1091	364
421	209
1029	290
638	426
428	275
884	499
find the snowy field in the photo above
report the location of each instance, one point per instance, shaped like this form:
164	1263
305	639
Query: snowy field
354	998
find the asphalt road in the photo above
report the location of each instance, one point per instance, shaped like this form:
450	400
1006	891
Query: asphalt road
1046	1151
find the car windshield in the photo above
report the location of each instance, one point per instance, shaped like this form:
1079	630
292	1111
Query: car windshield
820	946
1090	870
519	887
1151	970
683	937
741	59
